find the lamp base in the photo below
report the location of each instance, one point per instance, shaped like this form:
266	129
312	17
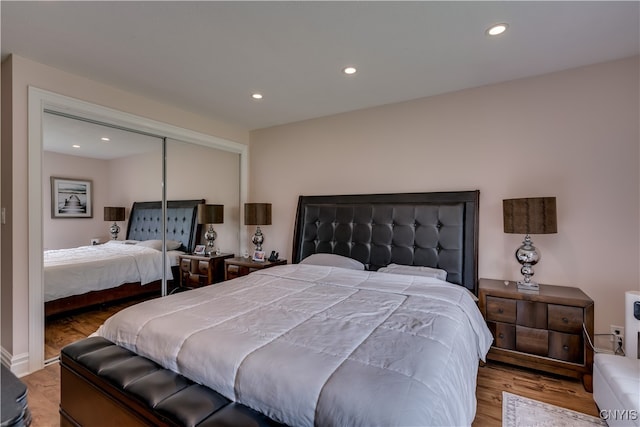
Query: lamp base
528	286
258	239
210	236
114	230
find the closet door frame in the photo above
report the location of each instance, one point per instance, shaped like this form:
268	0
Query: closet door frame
39	100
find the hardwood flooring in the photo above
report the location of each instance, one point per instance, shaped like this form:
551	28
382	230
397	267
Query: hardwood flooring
493	378
66	328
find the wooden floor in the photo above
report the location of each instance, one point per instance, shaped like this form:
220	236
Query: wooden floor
64	329
493	378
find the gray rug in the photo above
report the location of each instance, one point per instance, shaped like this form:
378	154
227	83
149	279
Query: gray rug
518	411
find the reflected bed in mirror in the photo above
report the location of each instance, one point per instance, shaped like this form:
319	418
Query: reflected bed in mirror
88	275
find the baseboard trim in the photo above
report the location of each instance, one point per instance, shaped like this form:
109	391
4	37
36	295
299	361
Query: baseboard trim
19	364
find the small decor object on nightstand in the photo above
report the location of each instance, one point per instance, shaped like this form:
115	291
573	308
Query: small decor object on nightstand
535	215
210	214
199	250
114	214
257	214
258	256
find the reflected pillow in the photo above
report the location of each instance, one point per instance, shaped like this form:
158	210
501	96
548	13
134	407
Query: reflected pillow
415	270
157	244
332	260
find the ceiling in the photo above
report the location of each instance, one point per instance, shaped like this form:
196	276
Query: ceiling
80	138
209	57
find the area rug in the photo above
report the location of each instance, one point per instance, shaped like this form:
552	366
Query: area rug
518	411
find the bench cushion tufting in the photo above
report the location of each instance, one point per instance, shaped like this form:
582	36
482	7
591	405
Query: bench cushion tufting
165	394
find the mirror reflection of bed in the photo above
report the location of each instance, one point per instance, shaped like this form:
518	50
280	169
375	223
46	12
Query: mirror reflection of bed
124	170
121	272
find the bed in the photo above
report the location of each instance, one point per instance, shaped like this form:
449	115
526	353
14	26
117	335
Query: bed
81	277
359	330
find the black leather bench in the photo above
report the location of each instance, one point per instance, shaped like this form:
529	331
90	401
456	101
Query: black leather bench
104	384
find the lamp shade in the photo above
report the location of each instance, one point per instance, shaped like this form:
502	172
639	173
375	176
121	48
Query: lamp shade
113	213
535	215
210	214
257	213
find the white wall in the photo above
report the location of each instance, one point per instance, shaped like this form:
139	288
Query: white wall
59	233
196	172
572	134
193	172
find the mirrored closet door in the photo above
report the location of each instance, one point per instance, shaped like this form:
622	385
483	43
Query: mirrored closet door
91	175
155	162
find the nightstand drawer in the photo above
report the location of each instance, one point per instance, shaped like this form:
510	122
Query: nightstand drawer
566	347
203	267
532	314
195	279
501	309
201	270
565	319
185	264
532	341
504	335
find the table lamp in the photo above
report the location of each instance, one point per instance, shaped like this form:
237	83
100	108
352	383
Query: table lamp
210	214
114	214
527	216
257	214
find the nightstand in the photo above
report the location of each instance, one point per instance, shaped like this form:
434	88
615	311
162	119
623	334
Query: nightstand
201	270
542	330
239	266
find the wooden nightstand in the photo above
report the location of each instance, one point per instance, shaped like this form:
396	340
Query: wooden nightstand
201	270
543	331
238	266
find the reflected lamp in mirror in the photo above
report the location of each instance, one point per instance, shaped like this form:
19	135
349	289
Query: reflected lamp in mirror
210	214
114	214
536	215
257	214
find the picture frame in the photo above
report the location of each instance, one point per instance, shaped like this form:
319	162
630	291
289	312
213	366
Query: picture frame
258	256
199	250
71	198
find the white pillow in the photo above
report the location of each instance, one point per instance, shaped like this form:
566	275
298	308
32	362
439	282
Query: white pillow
157	244
172	245
415	270
332	260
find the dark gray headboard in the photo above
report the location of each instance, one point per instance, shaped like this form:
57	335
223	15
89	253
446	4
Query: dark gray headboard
145	222
427	229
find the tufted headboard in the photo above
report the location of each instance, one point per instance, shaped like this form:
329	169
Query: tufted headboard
145	222
426	229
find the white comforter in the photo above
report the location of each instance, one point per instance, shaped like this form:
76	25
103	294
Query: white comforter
310	345
76	271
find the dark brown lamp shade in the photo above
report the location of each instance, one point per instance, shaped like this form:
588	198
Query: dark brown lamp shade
535	215
257	213
210	214
113	213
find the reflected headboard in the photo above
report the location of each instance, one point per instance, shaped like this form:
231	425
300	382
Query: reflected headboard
145	222
427	229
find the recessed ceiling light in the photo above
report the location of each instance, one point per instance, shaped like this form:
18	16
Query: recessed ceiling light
256	96
104	138
75	146
497	29
349	70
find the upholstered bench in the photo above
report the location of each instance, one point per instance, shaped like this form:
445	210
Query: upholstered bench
104	384
616	389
